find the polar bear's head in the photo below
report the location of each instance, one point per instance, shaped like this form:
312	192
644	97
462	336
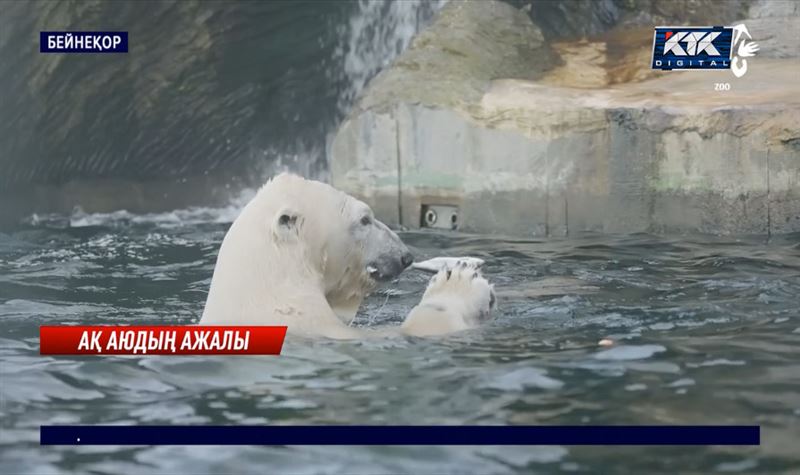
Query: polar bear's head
303	233
337	230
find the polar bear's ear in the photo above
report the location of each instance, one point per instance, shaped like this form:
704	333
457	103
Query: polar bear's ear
286	225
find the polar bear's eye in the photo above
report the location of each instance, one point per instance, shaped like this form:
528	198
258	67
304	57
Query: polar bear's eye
366	220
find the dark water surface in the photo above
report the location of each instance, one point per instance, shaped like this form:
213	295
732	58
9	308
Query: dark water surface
706	331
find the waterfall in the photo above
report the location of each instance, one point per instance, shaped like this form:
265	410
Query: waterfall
378	31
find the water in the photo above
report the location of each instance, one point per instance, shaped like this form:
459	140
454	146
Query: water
706	331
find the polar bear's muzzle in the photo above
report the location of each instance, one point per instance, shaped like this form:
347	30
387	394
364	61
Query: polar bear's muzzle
389	266
385	254
389	257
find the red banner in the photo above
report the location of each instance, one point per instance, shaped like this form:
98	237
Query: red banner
161	340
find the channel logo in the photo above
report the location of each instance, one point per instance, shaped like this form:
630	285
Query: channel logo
702	48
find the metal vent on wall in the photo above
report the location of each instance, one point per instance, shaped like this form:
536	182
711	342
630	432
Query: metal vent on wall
439	216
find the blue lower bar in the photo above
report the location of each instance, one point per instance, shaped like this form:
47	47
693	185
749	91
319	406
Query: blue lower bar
399	435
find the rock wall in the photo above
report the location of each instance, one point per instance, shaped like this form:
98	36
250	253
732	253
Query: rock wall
212	97
532	138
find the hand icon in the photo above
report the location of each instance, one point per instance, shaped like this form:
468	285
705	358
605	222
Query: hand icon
747	49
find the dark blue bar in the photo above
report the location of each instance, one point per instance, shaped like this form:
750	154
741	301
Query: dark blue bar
399	435
89	42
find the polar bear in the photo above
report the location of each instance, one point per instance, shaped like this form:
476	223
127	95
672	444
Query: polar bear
456	299
304	255
301	254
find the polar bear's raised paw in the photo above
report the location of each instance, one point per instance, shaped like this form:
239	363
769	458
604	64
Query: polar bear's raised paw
456	299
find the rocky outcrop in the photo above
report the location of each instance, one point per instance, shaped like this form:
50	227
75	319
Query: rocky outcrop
531	138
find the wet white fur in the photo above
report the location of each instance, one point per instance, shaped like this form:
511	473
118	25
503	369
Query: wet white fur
455	300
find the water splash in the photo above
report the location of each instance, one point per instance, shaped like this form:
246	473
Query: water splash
191	216
376	34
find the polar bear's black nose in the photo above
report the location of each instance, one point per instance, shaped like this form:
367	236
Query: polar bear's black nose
407	259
